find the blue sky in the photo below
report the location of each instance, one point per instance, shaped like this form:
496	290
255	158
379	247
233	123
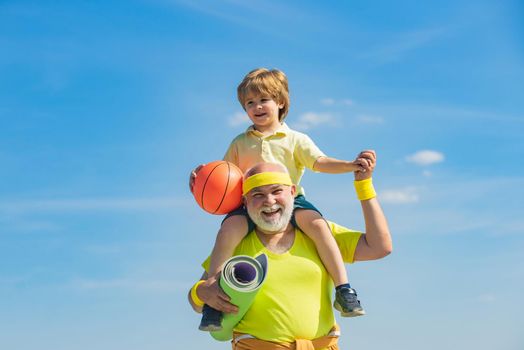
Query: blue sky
106	106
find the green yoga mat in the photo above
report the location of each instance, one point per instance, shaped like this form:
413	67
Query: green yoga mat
241	278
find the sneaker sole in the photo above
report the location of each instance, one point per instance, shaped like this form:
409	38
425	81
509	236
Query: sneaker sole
210	328
352	313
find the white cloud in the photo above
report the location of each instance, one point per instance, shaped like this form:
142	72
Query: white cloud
327	101
485	298
425	157
400	44
27	224
103	249
238	118
508	226
399	196
370	119
247	14
132	284
440	112
310	120
90	204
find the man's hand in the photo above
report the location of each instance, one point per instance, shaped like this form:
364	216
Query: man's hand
193	176
211	294
366	159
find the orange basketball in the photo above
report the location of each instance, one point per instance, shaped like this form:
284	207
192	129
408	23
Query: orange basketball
218	187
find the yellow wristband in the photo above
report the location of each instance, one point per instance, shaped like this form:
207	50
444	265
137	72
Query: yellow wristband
365	189
196	300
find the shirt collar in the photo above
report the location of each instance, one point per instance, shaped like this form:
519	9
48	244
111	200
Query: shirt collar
282	130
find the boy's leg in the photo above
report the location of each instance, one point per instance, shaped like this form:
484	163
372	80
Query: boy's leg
233	229
316	228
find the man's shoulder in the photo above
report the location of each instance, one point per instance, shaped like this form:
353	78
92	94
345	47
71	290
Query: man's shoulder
347	240
250	245
339	229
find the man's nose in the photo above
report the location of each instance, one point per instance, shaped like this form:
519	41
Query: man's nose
269	200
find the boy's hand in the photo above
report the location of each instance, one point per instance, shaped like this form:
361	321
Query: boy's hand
356	165
367	160
193	176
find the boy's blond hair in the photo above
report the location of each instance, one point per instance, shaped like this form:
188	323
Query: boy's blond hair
262	81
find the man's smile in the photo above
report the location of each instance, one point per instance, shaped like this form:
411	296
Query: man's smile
271	212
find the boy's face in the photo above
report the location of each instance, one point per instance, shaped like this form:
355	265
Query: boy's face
263	111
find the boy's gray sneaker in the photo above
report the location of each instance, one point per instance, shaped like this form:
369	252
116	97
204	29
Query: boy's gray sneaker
211	319
347	303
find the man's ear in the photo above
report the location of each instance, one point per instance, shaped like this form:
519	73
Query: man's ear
293	190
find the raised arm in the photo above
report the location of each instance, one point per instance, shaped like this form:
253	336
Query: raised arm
338	166
376	242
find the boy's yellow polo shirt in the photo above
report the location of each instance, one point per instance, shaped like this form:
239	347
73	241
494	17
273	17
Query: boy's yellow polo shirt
295	150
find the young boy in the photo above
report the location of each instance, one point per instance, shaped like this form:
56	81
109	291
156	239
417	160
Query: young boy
264	95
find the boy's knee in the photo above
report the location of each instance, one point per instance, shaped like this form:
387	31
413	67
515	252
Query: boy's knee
307	214
309	218
236	224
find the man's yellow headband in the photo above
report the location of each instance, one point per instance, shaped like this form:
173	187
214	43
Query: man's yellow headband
267	178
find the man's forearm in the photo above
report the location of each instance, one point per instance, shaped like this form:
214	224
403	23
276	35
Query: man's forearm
377	236
376	243
197	308
209	292
192	303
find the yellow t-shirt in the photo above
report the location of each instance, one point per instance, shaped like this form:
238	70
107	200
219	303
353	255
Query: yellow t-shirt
295	150
295	300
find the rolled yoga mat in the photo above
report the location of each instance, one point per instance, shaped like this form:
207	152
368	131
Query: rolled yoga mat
241	278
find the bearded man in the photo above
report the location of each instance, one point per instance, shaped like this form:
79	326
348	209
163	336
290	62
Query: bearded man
293	308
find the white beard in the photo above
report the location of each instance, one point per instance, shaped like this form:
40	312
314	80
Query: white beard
276	224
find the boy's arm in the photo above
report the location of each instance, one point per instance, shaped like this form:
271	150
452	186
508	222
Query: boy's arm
337	166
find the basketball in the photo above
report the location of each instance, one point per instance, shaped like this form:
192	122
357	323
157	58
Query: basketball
218	187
